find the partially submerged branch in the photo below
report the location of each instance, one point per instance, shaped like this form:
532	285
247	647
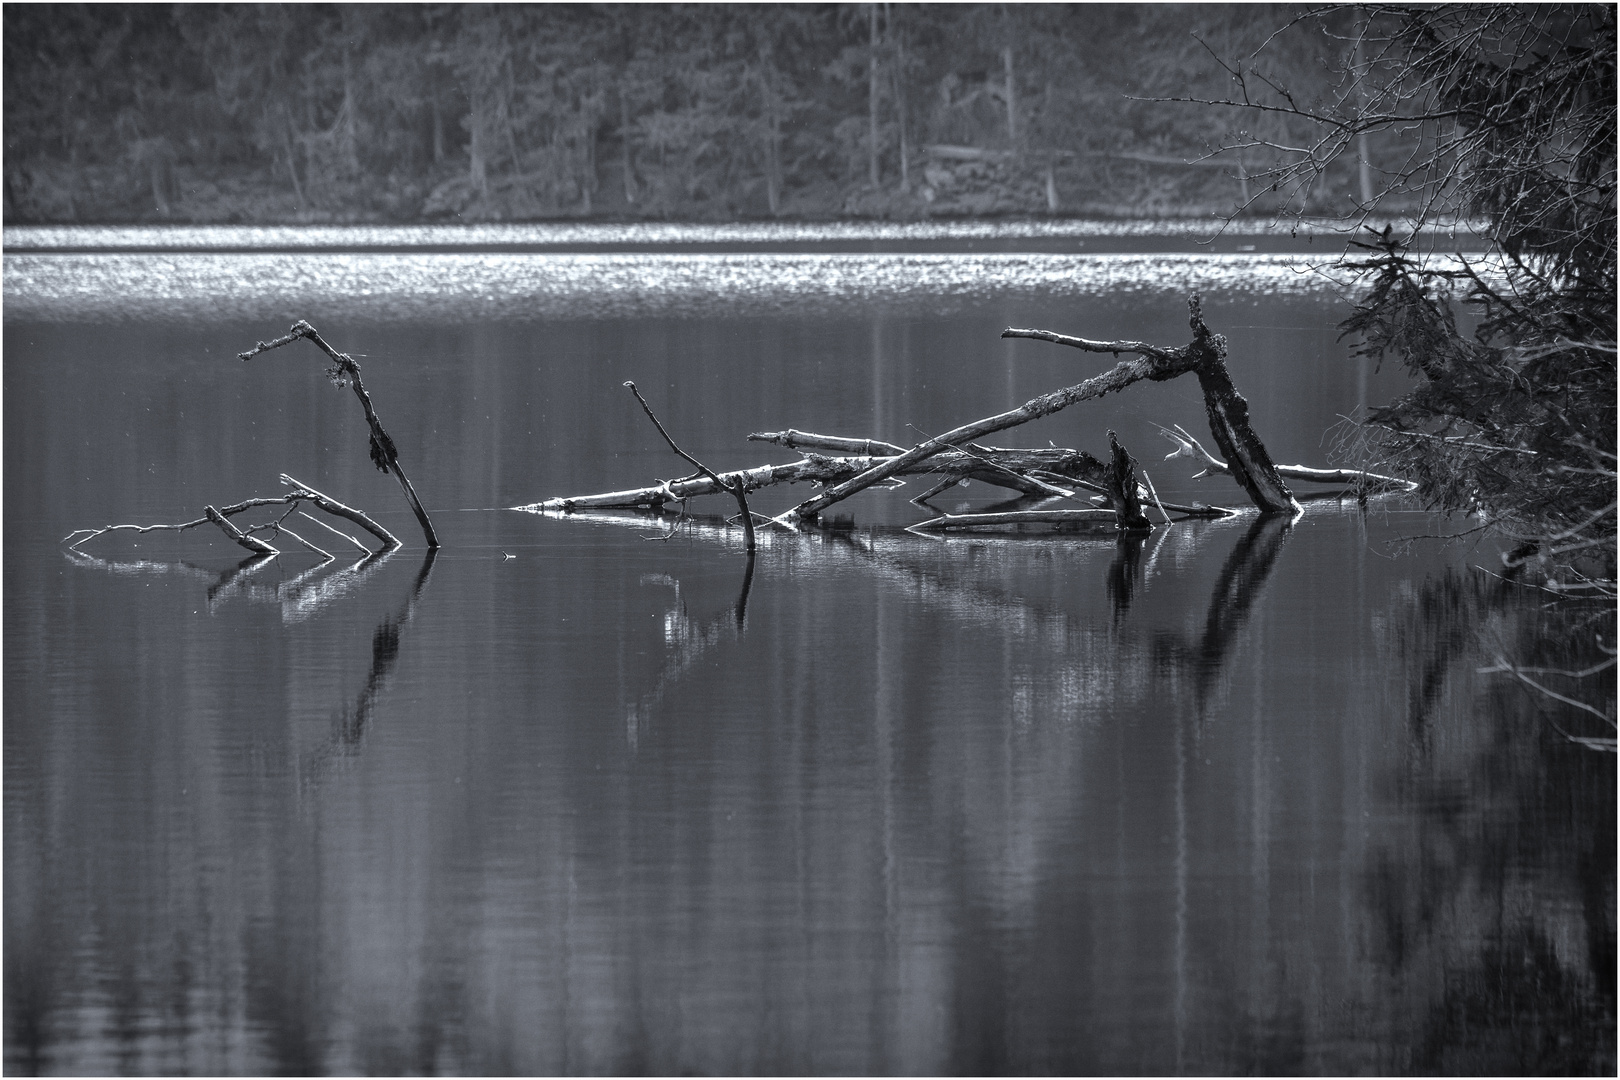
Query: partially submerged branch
1188	446
735	488
383	453
220	516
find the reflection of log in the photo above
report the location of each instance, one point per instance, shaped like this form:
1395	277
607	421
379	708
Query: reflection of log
1017	517
383	453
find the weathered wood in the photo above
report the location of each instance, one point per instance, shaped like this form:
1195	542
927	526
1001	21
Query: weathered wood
1249	461
1078	466
1157	366
383	453
337	509
795	440
1122	489
1188	446
1228	412
252	543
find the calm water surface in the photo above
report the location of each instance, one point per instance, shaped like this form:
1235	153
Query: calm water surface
1235	798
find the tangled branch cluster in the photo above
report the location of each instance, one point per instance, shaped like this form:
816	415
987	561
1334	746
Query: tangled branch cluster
1506	115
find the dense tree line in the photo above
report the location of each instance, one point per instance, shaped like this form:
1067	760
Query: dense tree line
438	111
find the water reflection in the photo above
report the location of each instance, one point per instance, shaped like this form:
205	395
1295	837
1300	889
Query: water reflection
351	724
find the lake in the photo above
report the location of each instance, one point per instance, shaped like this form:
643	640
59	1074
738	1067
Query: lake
595	793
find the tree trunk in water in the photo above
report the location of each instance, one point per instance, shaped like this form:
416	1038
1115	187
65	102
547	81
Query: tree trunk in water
1122	489
872	98
1246	455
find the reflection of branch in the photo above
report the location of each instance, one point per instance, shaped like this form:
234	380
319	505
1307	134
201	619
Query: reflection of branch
354	720
1239	585
689	641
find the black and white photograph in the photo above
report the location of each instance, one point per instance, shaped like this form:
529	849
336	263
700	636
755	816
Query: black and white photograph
866	539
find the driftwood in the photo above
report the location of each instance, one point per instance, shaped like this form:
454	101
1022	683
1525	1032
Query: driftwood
991	464
246	538
1205	354
956	456
383	453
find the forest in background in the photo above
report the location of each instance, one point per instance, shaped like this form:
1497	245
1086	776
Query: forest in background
445	112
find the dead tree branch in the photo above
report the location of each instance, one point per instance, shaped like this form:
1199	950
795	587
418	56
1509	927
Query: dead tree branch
1188	446
737	490
1205	355
383	453
220	517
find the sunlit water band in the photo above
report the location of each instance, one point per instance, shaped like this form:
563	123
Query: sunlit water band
563	234
466	287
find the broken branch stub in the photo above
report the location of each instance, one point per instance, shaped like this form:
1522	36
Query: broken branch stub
384	455
1128	515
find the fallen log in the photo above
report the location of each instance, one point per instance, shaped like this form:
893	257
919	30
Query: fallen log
1251	465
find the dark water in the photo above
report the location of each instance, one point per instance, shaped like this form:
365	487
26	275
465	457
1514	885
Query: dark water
1232	799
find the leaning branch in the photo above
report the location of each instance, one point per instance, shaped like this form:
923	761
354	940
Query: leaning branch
736	489
1156	366
383	453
